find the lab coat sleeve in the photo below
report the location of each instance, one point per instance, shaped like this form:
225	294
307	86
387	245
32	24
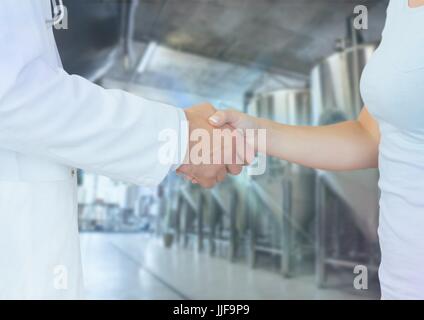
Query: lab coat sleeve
46	112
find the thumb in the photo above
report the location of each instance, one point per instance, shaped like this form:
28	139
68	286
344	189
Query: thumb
224	117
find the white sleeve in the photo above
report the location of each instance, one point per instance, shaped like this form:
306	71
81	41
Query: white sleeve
46	112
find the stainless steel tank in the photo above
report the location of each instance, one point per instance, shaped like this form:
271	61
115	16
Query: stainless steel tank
335	82
285	192
335	97
359	190
292	107
288	106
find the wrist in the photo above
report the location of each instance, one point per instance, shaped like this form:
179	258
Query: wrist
262	129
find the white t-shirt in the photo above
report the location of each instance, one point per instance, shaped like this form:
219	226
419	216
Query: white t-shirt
392	87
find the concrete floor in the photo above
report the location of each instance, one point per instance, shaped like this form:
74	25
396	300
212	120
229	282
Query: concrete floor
137	266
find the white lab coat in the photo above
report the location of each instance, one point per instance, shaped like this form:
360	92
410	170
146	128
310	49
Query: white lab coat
50	123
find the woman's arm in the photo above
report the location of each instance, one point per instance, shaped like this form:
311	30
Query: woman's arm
348	145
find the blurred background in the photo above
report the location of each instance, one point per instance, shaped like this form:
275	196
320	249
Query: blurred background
292	233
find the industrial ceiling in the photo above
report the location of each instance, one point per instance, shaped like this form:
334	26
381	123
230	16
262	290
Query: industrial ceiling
274	35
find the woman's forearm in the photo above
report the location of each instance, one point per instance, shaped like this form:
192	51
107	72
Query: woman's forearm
348	145
343	146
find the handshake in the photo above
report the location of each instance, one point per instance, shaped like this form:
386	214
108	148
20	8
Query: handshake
219	144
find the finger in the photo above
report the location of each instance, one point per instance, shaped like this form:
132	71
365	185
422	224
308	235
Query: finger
234	169
207	183
221	176
185	175
188	178
184	169
224	116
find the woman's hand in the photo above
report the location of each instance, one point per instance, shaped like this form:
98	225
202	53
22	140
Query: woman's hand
236	119
241	122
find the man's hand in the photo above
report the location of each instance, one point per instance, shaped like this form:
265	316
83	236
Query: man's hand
207	161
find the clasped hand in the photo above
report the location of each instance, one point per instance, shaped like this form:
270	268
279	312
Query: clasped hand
213	152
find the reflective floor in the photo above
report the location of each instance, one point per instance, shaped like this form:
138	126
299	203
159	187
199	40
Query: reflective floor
137	266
